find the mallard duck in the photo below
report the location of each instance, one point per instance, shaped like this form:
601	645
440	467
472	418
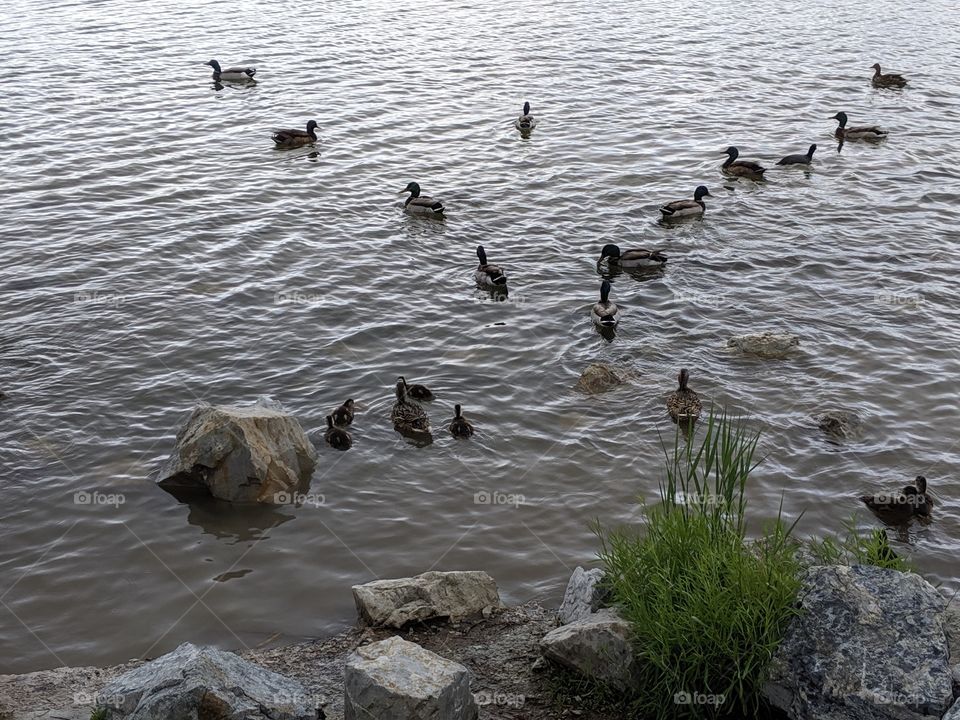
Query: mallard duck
526	121
921	484
799	158
407	415
343	415
416	203
605	313
415	391
741	168
234	73
683	405
888	80
460	427
871	132
687	208
638	257
337	438
489	276
898	508
296	138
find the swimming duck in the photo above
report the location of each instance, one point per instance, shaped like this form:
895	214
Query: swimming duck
526	121
898	508
866	132
234	73
418	203
799	159
686	208
741	168
296	138
921	484
605	313
417	392
337	438
343	415
683	405
638	257
489	276
407	415
888	80
460	427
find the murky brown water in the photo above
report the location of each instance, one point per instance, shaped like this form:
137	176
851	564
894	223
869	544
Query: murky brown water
152	240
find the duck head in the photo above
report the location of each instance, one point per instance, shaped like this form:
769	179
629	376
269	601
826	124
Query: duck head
401	389
214	64
456	411
701	192
840	117
609	251
682	379
526	108
732	152
312	125
921	484
481	255
605	291
412	188
876	66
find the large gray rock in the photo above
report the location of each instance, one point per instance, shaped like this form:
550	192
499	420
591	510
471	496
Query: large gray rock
597	646
453	595
241	454
398	680
201	682
765	345
583	595
868	645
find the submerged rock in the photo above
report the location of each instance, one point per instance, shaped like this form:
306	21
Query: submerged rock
452	595
240	454
598	378
597	646
765	345
839	424
869	644
397	680
201	682
583	595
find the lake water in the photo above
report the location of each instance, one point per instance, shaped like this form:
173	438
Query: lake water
158	251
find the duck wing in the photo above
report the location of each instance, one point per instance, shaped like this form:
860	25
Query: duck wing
426	202
749	165
248	71
641	254
286	135
677	205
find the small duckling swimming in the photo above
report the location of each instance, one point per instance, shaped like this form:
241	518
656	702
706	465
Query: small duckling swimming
343	415
526	121
605	313
487	275
296	138
460	427
420	203
234	73
864	132
407	415
880	79
415	391
741	168
686	208
638	257
799	158
683	404
337	438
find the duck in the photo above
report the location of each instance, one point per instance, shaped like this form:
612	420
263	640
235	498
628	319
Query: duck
686	208
343	415
417	392
337	438
799	158
921	484
866	132
683	404
489	276
880	79
234	73
741	168
420	203
898	508
526	121
407	415
296	138
460	427
638	257
604	312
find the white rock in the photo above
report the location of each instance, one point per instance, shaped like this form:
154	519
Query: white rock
597	646
766	345
452	595
582	596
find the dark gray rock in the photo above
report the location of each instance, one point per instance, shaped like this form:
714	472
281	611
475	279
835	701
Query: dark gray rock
583	595
597	646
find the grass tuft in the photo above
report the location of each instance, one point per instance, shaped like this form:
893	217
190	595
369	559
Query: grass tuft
857	548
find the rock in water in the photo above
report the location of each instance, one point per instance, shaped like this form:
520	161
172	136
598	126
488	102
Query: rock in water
201	682
597	646
583	596
398	680
452	595
869	644
765	345
240	454
598	378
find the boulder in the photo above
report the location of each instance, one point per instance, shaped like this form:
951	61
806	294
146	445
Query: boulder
202	682
597	646
765	345
240	454
583	595
598	378
451	595
398	680
869	644
839	424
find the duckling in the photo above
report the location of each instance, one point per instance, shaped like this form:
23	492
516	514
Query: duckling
799	158
337	438
686	208
921	484
741	168
296	138
898	508
605	313
865	132
418	203
638	257
417	392
407	415
234	73
489	276
683	405
880	79
343	415
526	121
460	427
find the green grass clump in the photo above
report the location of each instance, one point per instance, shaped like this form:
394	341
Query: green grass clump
856	548
707	605
99	713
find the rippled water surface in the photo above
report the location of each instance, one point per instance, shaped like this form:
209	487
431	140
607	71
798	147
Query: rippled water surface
157	251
